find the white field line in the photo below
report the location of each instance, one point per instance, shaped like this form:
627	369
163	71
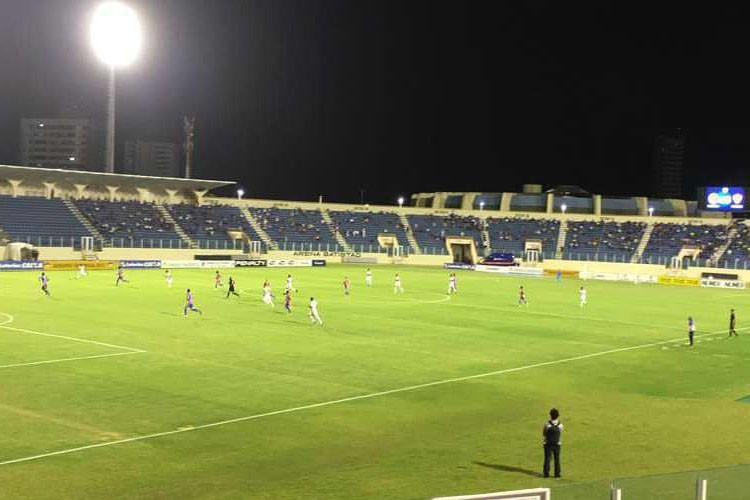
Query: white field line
343	400
63	360
9	319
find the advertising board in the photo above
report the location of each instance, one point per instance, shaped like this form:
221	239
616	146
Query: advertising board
72	265
20	265
140	264
718	283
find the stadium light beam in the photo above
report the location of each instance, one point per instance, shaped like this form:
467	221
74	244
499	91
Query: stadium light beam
240	193
563	207
115	36
400	202
650	211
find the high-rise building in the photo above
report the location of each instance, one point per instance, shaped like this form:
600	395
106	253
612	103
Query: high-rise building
69	143
157	159
668	163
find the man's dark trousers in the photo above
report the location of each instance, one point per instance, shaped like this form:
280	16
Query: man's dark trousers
551	451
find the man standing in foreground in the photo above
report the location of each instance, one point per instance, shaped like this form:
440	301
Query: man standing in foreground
732	324
552	433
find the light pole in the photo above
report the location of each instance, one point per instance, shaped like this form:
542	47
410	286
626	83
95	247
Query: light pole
400	202
650	211
481	206
116	40
240	193
563	207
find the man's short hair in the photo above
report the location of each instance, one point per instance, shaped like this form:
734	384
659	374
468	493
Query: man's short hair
554	414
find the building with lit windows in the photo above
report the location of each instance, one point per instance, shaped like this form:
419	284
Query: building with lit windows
67	143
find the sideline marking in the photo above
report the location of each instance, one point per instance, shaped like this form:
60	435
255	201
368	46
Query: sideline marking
322	404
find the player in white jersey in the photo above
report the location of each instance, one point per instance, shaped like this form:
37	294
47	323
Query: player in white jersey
397	288
81	272
582	295
368	277
288	286
168	277
452	284
314	314
268	294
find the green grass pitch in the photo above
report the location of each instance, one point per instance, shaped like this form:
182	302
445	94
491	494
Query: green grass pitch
380	402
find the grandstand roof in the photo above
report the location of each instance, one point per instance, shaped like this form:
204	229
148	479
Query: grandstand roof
61	176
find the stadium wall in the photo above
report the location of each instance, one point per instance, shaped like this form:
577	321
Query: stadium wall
552	265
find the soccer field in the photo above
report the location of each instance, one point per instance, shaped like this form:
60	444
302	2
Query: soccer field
110	393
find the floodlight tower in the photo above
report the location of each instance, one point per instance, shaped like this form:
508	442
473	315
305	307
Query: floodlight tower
116	39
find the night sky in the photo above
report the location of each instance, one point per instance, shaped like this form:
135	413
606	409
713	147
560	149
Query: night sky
296	98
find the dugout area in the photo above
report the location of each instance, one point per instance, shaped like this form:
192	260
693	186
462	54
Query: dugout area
462	250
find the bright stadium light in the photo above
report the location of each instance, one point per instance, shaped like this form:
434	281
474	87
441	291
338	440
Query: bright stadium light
563	207
400	201
481	205
240	193
650	211
116	39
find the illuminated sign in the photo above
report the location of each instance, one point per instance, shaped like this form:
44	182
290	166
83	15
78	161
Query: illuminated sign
724	198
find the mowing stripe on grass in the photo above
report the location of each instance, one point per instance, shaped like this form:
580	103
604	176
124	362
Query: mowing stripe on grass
64	360
9	319
343	400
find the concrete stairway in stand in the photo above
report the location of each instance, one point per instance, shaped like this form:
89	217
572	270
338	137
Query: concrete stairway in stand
336	233
83	220
485	239
259	230
410	235
719	252
643	243
177	229
560	246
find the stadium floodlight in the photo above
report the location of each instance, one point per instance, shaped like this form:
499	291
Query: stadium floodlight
650	211
400	202
563	207
240	193
72	158
481	205
116	39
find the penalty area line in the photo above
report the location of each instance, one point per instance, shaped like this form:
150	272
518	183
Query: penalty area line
10	318
323	404
64	360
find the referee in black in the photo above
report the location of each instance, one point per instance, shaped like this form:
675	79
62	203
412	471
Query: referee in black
552	433
732	324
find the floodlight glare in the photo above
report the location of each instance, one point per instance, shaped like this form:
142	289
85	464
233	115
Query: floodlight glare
400	201
240	193
564	207
115	34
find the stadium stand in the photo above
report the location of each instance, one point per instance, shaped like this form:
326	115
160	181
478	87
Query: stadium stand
39	221
619	206
668	239
362	229
294	226
509	234
603	239
129	224
528	202
207	222
430	231
739	247
491	201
